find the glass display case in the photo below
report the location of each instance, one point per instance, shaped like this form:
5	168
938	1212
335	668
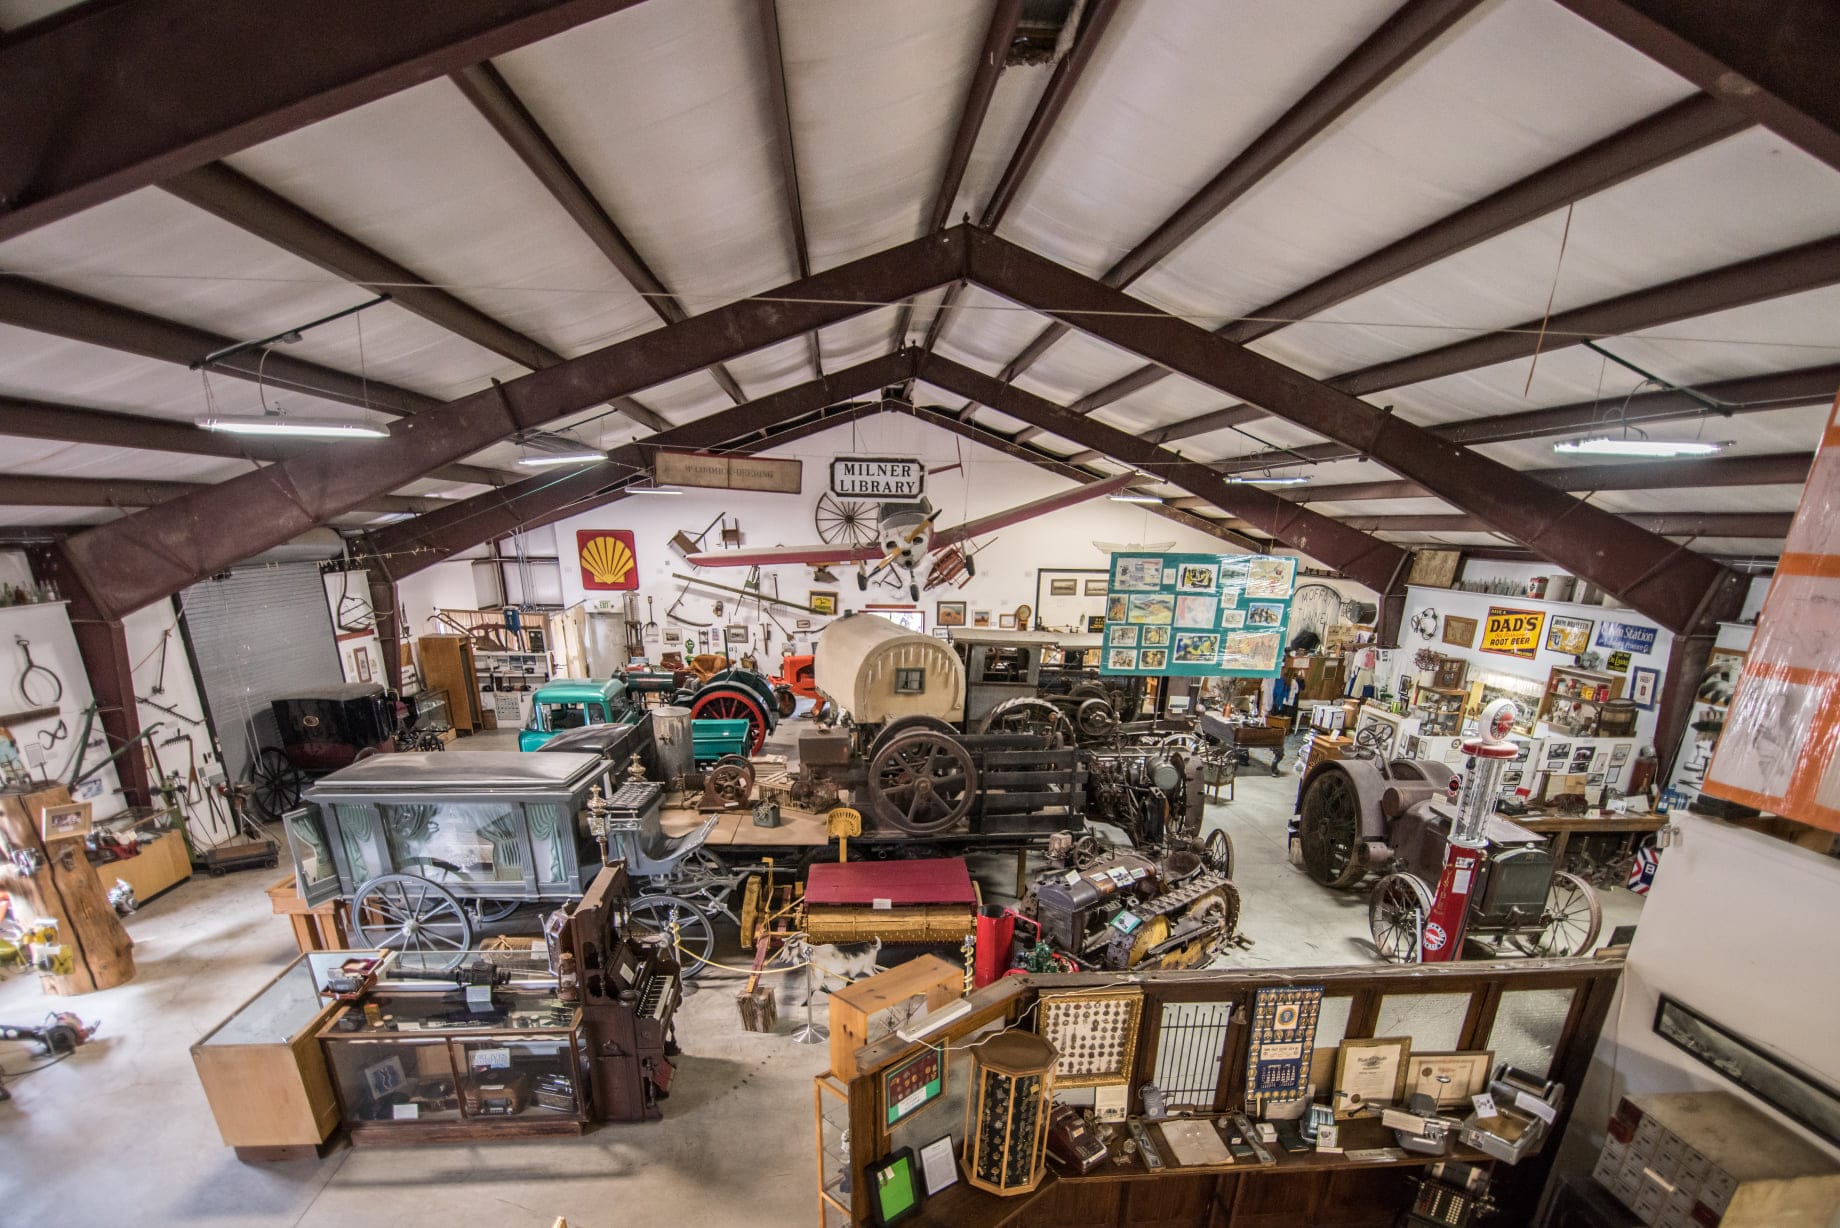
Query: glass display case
448	1063
833	1120
1006	1127
1575	699
1441	711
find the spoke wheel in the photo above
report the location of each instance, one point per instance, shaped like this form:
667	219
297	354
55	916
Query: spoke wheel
1395	914
1217	852
277	783
788	702
907	724
845	522
420	918
725	704
1025	714
1329	831
922	782
652	919
490	912
1571	920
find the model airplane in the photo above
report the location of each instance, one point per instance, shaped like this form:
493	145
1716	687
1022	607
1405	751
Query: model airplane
906	534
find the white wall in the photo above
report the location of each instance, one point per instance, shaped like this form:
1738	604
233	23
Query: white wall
1476	605
1739	926
989	482
355	630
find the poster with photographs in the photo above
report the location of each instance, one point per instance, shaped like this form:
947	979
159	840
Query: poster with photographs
1197	615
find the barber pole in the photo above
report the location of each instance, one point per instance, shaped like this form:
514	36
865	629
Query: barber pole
1489	753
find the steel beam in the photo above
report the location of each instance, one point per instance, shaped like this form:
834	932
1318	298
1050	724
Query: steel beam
42	308
1772	59
405	548
779	109
1095	18
117	97
1749	394
103	645
1413	27
31	490
1374	563
1660	138
992	58
153	554
27	419
1664	524
1640	568
499	105
247	205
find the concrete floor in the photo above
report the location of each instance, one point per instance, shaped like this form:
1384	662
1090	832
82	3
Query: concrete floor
120	1133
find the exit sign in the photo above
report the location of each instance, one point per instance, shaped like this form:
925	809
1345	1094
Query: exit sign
877	478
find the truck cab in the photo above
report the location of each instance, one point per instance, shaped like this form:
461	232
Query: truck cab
574	703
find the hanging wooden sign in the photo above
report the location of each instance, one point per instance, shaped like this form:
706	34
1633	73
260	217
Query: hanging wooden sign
877	478
765	473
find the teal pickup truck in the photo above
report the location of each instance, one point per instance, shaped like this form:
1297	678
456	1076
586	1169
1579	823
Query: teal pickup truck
731	713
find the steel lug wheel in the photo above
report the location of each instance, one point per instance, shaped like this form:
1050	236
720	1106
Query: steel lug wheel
922	782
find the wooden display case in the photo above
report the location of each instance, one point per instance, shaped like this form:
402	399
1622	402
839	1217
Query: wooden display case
440	1065
1441	711
1574	700
262	1068
448	665
874	1007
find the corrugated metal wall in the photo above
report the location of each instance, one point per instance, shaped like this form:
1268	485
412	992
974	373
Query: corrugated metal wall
259	634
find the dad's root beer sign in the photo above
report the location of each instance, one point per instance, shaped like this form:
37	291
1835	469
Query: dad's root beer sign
1513	633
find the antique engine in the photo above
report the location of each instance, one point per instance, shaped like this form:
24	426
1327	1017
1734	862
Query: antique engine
1119	909
1154	796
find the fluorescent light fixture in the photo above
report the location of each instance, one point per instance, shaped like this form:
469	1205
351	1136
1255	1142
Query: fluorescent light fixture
539	460
1294	479
653	490
1128	496
291	424
1603	445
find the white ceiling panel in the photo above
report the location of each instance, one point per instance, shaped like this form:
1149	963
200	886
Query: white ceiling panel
1775	498
663	111
1076	365
1156	114
869	335
421	177
1518	86
45	458
1383	507
875	88
773	369
1013	102
31	516
985	331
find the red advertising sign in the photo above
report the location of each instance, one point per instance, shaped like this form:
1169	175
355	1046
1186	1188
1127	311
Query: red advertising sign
609	560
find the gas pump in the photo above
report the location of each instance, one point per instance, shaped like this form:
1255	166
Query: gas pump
1489	753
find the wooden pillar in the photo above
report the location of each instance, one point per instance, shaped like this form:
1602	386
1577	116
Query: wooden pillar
65	887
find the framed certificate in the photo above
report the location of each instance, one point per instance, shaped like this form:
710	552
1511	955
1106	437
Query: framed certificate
1449	1078
1373	1071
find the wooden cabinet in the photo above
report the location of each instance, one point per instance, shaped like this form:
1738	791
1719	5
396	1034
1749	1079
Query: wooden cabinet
262	1068
876	1006
1574	700
448	665
163	862
65	887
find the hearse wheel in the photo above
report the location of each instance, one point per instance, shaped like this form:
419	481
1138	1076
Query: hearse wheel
416	916
922	782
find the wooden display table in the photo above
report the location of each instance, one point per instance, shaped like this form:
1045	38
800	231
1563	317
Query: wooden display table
1561	829
315	929
162	864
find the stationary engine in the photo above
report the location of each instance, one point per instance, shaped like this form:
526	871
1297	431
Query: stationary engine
1118	909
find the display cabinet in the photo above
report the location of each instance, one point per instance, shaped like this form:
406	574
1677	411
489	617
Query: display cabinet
832	1105
1440	711
262	1068
1574	700
453	1064
1006	1119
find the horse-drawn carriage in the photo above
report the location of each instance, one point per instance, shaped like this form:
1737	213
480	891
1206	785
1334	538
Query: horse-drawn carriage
327	729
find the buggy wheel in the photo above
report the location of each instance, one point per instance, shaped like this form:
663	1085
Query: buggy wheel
1395	914
1570	921
1217	852
277	783
490	912
653	917
415	916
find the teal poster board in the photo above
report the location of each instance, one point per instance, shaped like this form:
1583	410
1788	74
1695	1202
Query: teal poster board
1197	615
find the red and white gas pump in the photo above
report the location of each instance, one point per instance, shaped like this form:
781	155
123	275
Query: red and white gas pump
1489	753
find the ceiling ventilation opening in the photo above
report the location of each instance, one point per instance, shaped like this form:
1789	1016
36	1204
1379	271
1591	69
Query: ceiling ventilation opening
1045	32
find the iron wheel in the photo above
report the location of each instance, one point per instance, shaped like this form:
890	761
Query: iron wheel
1328	830
1395	913
277	783
1571	919
1026	714
652	919
922	782
1217	852
732	704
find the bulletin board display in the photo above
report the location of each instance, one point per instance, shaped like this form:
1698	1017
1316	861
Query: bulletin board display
1197	615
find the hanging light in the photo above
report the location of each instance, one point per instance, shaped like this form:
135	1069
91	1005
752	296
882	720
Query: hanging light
1270	479
1636	445
653	490
291	424
1132	496
538	460
541	450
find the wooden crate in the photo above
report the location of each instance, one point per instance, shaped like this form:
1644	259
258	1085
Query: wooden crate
315	929
859	1012
161	864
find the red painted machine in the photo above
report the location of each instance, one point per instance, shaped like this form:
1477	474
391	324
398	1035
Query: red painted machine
798	679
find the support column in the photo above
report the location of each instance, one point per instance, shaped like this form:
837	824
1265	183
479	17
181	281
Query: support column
388	626
104	645
1686	665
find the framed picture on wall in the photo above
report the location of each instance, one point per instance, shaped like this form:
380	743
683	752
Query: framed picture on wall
736	633
1006	621
1459	631
822	602
361	660
1095	588
980	618
950	614
1066	587
1643	684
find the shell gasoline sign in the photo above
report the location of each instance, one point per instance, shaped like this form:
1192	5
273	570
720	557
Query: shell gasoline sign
1513	633
609	561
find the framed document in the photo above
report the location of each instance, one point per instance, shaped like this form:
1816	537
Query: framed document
1373	1071
936	1165
1449	1078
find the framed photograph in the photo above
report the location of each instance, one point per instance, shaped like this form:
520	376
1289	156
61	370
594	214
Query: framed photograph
1095	588
1620	754
1451	674
950	614
1125	636
1270	577
1460	631
912	1085
673	636
1196	611
1644	683
70	821
1155	637
1006	622
1264	614
1197	577
822	602
938	1166
1556	755
1196	648
1232	618
1374	1070
1153	658
1095	624
384	1077
980	618
1798	1093
1121	658
1567	635
1450	1078
361	657
735	633
1068	587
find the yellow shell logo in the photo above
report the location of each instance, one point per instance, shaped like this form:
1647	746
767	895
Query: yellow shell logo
609	560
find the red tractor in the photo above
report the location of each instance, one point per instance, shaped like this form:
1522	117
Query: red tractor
798	679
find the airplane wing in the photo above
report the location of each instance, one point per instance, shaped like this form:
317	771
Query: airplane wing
760	556
1028	511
